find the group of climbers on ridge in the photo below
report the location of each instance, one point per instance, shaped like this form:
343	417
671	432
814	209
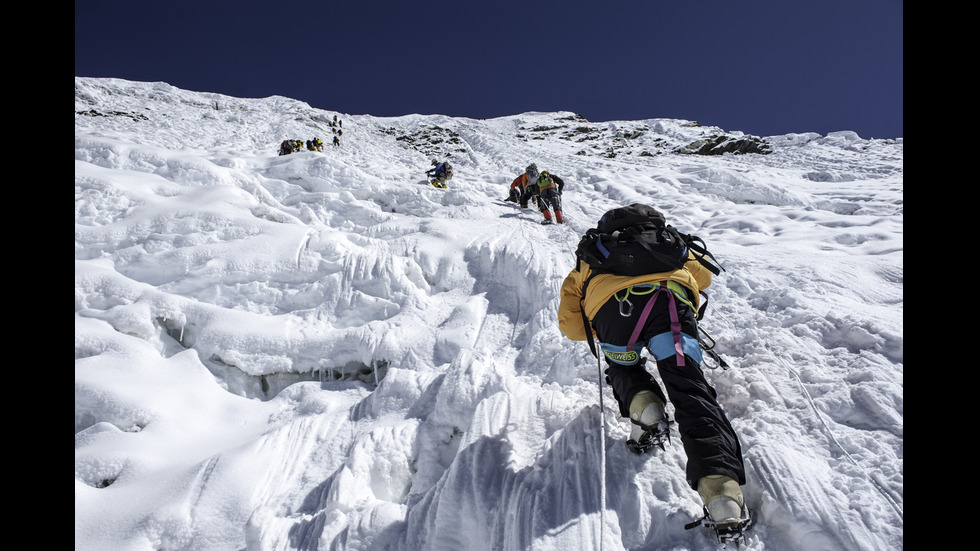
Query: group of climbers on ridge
316	144
293	145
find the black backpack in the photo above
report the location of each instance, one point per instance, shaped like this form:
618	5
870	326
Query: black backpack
636	240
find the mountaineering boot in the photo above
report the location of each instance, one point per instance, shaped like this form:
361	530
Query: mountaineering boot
650	424
722	500
724	509
558	217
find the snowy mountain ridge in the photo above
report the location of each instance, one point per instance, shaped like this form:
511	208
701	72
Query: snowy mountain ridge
321	351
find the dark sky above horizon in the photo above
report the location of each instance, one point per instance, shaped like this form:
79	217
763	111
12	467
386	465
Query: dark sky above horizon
763	67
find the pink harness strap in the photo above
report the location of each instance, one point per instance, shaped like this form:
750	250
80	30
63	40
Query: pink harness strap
675	324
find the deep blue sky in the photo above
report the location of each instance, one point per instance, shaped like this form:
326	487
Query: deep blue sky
763	67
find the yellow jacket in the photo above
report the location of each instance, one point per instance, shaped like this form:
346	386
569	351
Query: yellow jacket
692	276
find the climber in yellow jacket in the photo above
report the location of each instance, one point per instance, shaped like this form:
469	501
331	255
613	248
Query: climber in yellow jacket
658	312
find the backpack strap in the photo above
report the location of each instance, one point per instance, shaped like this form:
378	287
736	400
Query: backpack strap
704	305
585	319
701	254
635	232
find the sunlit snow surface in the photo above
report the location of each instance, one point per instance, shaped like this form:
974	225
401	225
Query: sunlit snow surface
321	351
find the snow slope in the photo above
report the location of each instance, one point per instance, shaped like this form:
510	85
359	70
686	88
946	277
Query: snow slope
321	351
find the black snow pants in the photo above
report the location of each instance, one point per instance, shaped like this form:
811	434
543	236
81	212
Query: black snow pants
710	442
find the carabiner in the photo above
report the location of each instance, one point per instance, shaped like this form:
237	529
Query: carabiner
626	299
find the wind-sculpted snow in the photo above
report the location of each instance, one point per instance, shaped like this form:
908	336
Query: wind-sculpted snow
321	351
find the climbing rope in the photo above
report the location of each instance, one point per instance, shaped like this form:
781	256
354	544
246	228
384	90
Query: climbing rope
874	480
602	462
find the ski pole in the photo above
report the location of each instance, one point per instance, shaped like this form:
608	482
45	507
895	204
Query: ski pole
602	456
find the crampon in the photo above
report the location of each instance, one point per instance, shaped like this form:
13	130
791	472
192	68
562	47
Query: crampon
728	532
652	436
